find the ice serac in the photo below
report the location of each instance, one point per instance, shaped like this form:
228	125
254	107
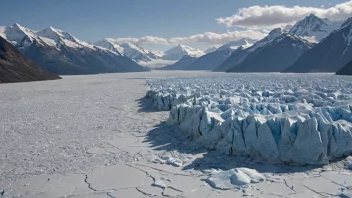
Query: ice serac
275	56
291	120
61	53
226	180
165	101
284	140
14	67
330	55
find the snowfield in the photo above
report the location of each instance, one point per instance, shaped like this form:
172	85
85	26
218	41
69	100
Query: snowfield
98	136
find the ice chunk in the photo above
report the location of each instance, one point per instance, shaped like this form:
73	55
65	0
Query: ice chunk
233	178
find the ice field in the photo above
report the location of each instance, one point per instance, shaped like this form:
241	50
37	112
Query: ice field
278	117
196	134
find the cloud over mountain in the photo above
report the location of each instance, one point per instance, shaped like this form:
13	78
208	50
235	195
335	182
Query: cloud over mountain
258	17
210	38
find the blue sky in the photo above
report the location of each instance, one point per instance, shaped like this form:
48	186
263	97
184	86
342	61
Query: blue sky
91	20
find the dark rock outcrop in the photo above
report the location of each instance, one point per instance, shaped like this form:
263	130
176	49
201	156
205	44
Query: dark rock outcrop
15	67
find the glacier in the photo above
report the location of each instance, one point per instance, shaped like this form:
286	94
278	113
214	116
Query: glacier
282	118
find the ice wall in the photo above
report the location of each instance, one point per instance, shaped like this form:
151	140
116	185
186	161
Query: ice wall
287	120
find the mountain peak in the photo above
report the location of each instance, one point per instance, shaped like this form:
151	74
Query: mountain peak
17	25
56	34
312	16
51	28
16	32
314	27
275	33
277	30
176	53
182	46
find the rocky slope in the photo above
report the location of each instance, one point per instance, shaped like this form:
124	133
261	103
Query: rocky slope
346	70
330	55
182	64
14	67
214	59
241	53
274	56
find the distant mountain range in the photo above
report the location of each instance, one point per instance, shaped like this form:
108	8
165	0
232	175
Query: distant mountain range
148	58
61	53
130	50
311	45
212	59
274	56
302	48
296	50
241	53
15	67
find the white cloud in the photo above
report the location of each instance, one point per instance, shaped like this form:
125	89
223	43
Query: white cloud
215	38
123	40
258	17
209	38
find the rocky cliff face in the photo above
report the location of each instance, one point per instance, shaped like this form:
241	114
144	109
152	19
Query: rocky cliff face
15	67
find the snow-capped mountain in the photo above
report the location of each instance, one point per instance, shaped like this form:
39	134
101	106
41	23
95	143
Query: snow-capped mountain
179	51
314	28
109	44
241	53
214	59
274	56
273	34
62	53
330	55
130	50
14	67
56	35
16	32
137	53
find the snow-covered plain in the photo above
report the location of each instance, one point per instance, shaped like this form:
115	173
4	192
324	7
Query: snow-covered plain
98	136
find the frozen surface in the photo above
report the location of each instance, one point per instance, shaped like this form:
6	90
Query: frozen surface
97	137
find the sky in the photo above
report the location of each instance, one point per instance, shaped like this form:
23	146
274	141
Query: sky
161	24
